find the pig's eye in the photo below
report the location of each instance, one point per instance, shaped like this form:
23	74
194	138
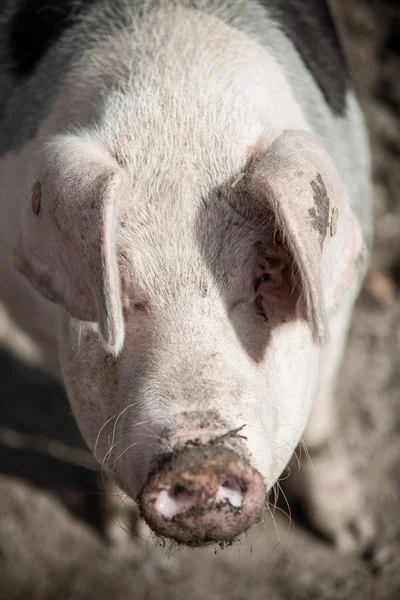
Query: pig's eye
265	285
269	279
141	306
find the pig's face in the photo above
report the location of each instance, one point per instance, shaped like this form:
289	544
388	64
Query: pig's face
210	315
214	340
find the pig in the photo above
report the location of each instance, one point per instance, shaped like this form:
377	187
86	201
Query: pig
186	224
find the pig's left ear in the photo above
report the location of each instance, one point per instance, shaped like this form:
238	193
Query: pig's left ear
295	177
67	247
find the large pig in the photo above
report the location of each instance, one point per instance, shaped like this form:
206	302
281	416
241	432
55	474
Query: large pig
185	185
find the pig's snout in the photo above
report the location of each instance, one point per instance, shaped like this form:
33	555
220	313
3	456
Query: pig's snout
202	494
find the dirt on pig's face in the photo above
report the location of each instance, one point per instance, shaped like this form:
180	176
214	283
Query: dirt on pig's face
214	342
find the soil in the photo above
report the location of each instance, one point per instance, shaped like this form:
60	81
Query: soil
52	503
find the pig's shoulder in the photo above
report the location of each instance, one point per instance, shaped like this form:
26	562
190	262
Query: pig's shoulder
309	25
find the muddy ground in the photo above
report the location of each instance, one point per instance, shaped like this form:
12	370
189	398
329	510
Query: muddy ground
51	500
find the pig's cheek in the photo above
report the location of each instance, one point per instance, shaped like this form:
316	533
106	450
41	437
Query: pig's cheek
251	329
90	377
291	374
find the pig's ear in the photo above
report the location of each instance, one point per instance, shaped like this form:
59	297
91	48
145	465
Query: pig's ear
67	247
295	177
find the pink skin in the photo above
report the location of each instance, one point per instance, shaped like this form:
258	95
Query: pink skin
194	323
191	344
147	238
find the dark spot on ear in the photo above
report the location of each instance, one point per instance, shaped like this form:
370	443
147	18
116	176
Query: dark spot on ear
320	212
36	26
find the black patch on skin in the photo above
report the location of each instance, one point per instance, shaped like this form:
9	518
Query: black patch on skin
309	24
320	212
38	25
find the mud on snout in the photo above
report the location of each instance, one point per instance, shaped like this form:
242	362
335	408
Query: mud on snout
202	493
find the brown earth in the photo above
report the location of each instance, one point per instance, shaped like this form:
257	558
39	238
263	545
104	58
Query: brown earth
47	553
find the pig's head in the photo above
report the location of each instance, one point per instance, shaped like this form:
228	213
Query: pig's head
193	324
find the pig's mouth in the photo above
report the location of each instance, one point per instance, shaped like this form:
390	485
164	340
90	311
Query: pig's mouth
202	494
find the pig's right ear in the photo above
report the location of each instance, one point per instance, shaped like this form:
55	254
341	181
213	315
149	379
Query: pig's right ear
296	179
67	247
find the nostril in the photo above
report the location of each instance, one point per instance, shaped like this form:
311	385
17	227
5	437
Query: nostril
173	501
230	490
178	492
232	484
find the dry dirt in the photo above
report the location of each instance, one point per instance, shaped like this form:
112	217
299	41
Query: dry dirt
51	500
